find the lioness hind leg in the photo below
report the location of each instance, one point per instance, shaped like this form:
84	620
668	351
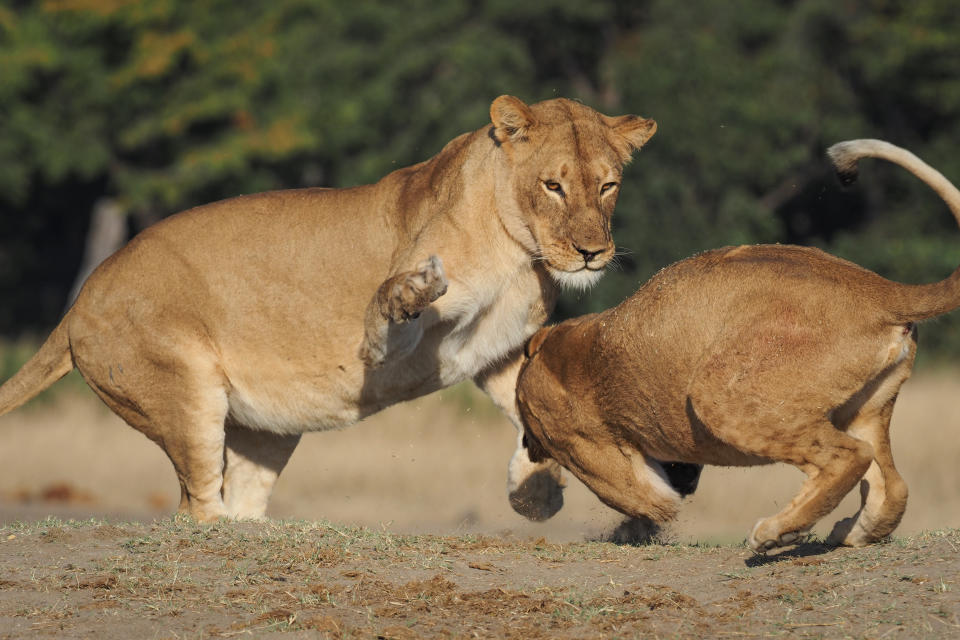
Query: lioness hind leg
181	405
883	492
833	462
252	462
390	323
193	438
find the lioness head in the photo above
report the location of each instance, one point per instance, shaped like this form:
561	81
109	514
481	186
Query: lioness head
559	180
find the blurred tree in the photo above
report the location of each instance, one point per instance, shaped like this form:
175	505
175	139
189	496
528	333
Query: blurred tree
749	94
158	105
154	105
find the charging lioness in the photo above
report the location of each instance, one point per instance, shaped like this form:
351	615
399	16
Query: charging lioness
225	332
741	356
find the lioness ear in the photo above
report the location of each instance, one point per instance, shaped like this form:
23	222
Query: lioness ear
634	131
511	119
533	344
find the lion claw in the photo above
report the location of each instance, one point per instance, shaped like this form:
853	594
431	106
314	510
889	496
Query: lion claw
416	290
763	543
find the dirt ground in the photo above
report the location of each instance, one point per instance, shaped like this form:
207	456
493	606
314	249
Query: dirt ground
399	528
173	579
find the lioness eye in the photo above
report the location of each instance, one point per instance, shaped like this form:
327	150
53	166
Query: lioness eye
606	187
553	186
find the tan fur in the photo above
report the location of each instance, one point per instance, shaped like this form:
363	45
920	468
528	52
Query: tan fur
226	331
741	356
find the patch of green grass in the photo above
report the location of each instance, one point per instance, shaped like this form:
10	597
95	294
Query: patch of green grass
50	522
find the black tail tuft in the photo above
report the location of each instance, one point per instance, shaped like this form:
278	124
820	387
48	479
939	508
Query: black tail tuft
848	176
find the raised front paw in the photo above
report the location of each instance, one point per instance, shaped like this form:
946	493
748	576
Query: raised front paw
410	293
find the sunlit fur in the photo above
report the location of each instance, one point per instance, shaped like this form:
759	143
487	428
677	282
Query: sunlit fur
742	356
224	332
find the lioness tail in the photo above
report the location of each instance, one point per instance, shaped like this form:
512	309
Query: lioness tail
49	364
917	302
845	155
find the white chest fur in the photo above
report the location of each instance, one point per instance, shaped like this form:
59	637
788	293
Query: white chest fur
473	325
488	323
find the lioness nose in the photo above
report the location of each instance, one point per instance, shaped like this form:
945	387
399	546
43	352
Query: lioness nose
588	254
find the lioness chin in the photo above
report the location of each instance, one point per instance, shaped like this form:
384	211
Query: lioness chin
224	332
741	356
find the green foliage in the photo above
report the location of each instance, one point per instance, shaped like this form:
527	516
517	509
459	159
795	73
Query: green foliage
164	104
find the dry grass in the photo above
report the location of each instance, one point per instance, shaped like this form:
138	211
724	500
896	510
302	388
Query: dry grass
438	466
174	579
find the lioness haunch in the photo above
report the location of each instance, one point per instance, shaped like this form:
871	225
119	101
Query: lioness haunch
741	356
225	332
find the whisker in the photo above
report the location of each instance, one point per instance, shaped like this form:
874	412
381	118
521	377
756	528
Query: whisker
615	263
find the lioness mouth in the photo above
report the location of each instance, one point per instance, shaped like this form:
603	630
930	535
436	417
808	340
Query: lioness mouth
580	279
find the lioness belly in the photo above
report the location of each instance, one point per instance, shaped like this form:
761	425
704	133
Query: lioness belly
290	407
281	399
298	404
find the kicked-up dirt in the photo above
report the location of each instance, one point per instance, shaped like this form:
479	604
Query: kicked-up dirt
176	579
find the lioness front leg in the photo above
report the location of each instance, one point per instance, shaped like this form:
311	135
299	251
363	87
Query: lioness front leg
623	477
391	326
253	461
535	489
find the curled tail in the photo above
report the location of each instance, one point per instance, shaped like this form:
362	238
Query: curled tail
911	302
49	364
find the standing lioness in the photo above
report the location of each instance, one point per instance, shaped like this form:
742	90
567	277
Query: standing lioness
741	356
225	332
